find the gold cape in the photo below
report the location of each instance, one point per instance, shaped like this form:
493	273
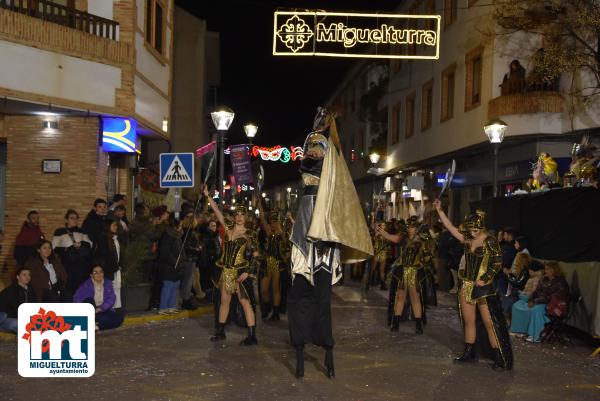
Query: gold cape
338	216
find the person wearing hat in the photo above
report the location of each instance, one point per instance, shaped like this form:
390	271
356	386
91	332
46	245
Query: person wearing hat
407	273
274	264
477	291
235	271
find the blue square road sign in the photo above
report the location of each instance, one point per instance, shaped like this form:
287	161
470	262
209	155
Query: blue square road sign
176	170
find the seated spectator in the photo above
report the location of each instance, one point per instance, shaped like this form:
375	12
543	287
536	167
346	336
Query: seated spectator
12	297
28	238
521	244
529	317
519	274
99	292
536	272
48	276
74	248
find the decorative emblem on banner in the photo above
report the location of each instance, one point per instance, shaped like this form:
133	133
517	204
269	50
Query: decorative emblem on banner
295	33
323	33
273	154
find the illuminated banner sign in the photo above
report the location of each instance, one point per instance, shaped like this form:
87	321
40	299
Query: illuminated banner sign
322	33
119	135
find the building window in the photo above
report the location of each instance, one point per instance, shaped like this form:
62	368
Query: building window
396	123
426	105
448	77
155	25
429	8
409	122
473	67
450	11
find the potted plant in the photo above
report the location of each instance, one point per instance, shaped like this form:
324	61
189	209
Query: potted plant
136	257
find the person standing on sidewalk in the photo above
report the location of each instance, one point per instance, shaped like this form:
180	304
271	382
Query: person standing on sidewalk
170	268
28	238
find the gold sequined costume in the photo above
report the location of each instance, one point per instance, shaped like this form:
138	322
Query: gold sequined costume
235	260
380	248
277	254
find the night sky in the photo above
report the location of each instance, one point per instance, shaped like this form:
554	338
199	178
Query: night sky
280	94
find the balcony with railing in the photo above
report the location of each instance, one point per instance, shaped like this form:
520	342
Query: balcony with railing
65	16
526	96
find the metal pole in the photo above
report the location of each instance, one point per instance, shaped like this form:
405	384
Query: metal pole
495	172
221	150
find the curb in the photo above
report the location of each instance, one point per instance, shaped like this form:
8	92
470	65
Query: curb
138	320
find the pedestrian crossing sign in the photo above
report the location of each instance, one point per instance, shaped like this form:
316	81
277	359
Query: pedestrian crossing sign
176	170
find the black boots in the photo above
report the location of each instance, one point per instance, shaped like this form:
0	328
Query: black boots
299	362
219	333
498	364
275	316
265	309
419	325
251	339
468	355
395	323
329	370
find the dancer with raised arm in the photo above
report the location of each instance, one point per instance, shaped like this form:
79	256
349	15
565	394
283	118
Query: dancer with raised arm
407	273
477	295
235	271
329	228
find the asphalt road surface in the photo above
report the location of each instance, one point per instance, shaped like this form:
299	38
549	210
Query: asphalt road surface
175	361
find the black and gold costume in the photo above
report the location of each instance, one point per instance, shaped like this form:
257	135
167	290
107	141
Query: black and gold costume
381	248
408	270
235	260
484	263
277	254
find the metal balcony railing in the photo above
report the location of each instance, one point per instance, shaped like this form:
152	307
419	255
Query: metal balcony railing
65	16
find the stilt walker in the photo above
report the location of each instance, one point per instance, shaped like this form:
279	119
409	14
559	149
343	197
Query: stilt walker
329	229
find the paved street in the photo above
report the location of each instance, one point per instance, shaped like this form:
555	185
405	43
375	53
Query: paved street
175	361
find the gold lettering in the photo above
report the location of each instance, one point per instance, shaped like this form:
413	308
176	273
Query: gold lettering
349	37
324	34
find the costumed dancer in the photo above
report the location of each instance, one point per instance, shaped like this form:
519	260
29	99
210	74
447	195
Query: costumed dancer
235	271
407	274
381	248
329	228
479	304
274	264
429	284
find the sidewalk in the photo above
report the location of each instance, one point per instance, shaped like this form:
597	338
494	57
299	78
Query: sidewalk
139	319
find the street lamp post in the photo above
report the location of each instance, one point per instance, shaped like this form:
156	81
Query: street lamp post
374	157
495	130
250	130
222	119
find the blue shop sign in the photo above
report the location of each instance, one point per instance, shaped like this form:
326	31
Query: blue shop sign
119	135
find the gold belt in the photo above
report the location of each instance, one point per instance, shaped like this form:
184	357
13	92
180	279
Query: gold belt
410	276
272	265
230	279
467	290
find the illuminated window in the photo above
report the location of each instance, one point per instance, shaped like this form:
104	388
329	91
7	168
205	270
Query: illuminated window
155	25
409	121
396	123
447	109
473	64
450	11
426	105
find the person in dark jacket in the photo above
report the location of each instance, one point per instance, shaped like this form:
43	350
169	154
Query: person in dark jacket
48	276
12	297
169	267
28	238
99	292
211	250
93	224
74	248
109	250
